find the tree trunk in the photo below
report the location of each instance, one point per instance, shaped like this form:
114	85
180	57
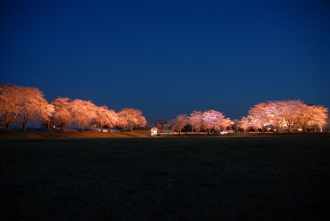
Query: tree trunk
62	127
48	126
278	129
82	127
7	127
24	122
24	126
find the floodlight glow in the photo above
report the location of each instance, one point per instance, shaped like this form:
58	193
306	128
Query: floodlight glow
154	131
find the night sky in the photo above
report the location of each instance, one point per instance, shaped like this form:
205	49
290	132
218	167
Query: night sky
169	57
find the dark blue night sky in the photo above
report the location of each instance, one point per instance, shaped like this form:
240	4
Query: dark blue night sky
169	57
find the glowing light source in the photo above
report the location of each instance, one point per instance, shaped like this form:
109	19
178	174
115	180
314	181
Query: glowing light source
154	131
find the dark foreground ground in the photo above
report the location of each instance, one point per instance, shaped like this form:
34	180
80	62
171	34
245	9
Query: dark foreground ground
217	178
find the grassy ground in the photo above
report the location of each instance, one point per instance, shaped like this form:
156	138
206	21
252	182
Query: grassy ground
226	178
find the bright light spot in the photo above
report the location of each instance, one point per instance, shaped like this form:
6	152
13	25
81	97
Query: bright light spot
154	131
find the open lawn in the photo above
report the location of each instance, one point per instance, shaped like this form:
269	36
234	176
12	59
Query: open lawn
215	178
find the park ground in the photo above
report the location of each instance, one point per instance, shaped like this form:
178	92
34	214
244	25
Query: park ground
71	177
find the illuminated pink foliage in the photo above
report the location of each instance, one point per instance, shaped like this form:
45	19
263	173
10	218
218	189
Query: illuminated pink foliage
105	117
288	115
25	103
132	118
196	120
82	112
62	114
244	123
179	122
10	100
33	103
46	115
22	102
214	120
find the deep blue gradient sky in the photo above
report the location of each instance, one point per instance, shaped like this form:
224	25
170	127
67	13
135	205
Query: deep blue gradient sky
169	57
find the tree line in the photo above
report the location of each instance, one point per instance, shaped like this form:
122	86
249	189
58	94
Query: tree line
22	104
277	115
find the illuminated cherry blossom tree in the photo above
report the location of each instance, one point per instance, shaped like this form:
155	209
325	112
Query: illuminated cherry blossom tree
259	117
196	120
132	118
21	103
320	117
287	114
62	114
10	103
122	122
244	123
311	116
46	115
283	113
32	104
179	122
213	120
223	123
83	112
141	121
274	111
106	117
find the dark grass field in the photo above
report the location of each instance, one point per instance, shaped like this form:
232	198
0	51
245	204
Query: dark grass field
216	178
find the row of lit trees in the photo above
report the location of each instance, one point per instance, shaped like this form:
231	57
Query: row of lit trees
288	115
201	120
21	104
279	115
24	103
